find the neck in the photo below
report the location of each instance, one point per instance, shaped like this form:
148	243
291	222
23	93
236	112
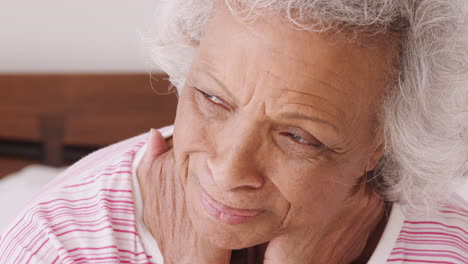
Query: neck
374	238
255	254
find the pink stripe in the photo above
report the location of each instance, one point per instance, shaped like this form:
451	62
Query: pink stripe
92	181
103	258
454	212
36	212
432	256
112	190
419	261
71	213
35	252
84	199
136	254
109	254
455	232
432	242
97	230
112	253
122	259
104	154
434	233
82	222
106	247
39	218
456	208
428	238
95	211
93	206
403	250
122	164
38	237
97	223
436	223
41	235
32	215
107	262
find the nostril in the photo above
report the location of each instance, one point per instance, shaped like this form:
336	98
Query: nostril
230	176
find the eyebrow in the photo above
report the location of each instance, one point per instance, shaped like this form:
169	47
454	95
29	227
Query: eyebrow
310	118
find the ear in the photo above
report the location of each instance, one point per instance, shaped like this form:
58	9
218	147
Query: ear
375	157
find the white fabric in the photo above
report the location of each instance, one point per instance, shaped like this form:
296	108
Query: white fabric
17	188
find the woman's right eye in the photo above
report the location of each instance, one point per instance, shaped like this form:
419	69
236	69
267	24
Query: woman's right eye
215	100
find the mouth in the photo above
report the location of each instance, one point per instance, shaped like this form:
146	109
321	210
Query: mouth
225	213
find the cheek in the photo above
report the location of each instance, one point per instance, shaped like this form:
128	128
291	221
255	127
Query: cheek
315	192
189	127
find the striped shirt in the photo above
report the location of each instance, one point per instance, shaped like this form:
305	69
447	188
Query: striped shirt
92	213
435	237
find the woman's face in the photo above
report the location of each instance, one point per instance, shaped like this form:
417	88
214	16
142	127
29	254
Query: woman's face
274	127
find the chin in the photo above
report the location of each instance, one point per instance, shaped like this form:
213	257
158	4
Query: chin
224	235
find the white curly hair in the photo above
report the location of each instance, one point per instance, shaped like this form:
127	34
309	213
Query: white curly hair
424	119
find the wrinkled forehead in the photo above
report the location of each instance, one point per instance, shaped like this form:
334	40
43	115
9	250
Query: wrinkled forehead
270	43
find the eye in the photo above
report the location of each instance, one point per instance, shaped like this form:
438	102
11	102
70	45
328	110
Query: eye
213	99
300	140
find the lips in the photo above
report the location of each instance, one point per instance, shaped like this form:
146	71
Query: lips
224	213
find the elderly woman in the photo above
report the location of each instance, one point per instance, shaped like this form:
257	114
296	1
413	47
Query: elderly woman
306	132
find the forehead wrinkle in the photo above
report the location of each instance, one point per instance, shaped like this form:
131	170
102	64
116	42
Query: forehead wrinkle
288	89
316	109
306	64
337	109
325	84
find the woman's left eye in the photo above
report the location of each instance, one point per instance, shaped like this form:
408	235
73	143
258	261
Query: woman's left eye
300	140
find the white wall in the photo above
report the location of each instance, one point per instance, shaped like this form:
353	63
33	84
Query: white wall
74	36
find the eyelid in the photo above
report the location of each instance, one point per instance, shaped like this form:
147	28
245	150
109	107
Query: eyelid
291	136
207	96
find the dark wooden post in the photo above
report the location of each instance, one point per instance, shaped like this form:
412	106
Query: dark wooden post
52	129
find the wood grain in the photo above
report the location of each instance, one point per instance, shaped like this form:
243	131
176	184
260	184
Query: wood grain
97	109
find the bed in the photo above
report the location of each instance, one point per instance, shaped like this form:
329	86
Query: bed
49	121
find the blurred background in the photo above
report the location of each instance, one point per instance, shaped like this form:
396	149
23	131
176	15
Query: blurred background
74	36
75	76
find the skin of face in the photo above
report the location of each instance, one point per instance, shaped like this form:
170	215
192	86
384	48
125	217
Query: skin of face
276	119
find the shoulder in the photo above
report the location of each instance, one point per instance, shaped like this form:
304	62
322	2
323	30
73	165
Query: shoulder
87	211
437	237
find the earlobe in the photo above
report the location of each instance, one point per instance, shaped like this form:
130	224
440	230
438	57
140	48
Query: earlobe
375	157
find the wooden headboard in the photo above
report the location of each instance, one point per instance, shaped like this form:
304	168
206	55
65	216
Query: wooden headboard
80	110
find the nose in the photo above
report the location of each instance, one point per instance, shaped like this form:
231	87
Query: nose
235	161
